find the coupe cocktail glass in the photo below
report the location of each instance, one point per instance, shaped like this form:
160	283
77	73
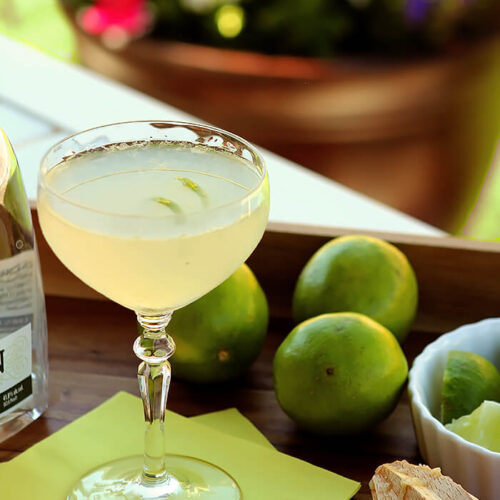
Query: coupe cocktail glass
153	215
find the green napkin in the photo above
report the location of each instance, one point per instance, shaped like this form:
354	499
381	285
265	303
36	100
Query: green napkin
113	430
232	422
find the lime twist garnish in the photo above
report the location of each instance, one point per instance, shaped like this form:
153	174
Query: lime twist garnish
170	204
195	188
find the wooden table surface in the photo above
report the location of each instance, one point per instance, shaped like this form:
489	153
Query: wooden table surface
90	346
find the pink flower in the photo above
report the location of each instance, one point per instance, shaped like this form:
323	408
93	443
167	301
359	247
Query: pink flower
130	17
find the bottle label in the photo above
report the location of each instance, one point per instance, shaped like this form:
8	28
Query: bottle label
15	369
17	291
17	302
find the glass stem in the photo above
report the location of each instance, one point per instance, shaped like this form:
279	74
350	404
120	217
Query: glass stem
154	347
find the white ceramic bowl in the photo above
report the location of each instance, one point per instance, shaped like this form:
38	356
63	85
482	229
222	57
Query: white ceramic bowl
475	468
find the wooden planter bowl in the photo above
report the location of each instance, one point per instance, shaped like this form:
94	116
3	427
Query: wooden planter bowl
418	136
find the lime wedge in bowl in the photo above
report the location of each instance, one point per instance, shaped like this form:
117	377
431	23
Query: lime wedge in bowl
469	379
481	427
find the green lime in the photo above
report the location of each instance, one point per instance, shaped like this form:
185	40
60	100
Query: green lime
468	380
339	373
359	274
220	335
482	426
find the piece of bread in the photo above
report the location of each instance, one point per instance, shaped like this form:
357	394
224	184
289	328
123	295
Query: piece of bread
404	481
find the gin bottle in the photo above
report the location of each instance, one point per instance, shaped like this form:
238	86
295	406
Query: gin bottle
23	325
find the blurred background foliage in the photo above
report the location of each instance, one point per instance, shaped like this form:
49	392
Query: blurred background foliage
324	28
319	28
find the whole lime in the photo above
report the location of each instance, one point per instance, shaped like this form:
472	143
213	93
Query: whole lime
339	373
359	274
220	335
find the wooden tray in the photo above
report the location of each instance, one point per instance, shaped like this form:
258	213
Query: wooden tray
91	358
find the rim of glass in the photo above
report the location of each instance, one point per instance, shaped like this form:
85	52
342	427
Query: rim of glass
260	164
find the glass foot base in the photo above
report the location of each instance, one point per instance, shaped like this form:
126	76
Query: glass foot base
188	478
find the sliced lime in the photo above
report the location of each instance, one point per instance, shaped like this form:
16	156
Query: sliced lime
469	379
482	426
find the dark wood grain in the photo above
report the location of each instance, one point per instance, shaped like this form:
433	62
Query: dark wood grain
90	346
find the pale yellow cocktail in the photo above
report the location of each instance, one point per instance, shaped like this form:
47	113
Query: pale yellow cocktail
130	221
153	215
